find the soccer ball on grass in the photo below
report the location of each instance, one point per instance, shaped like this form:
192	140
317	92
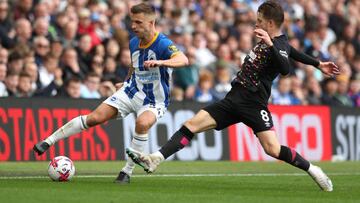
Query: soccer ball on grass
61	168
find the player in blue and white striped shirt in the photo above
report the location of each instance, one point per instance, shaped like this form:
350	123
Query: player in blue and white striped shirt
146	91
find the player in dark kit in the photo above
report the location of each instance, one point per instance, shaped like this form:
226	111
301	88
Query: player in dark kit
247	101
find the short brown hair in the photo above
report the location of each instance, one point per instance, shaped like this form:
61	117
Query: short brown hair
24	75
272	10
143	8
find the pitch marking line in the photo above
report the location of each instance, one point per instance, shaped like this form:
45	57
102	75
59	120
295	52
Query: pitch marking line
186	175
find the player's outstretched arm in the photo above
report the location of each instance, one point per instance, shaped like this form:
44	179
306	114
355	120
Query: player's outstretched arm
327	68
178	60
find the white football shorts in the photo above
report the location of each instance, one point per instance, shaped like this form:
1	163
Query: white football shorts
125	105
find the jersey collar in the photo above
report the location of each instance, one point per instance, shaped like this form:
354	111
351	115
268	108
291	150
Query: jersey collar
150	43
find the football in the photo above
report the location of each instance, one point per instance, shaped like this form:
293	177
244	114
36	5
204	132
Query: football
61	168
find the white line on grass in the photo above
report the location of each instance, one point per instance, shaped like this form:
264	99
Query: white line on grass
185	175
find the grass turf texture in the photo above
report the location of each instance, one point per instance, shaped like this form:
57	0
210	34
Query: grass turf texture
179	182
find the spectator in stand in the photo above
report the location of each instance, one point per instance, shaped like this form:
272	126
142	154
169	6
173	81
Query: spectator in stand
355	91
312	91
56	48
47	70
90	88
70	65
7	31
23	31
42	10
297	89
204	90
86	27
41	28
177	94
106	88
4	54
24	87
213	41
59	24
2	79
342	94
23	9
112	48
97	65
15	63
100	50
69	37
330	88
122	68
283	95
355	66
5	21
71	89
222	80
3	70
110	68
11	83
32	70
326	35
84	52
203	55
42	49
187	78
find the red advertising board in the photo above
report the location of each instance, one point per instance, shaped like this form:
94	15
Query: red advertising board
303	128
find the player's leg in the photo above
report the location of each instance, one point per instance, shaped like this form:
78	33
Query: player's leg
144	122
200	122
273	148
218	115
102	113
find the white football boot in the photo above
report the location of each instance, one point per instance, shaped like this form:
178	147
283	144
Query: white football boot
149	162
320	178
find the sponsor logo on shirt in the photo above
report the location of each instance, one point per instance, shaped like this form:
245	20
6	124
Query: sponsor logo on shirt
173	48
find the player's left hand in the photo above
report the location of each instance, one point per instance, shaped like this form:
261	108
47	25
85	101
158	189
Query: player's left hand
153	63
263	35
329	68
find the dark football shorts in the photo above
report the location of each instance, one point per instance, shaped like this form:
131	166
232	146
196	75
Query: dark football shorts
241	105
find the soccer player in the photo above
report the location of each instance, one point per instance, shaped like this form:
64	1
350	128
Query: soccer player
247	100
145	92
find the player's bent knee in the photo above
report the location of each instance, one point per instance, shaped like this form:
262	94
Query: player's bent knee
142	126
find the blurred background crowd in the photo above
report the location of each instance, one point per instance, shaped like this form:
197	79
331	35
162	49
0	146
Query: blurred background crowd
79	48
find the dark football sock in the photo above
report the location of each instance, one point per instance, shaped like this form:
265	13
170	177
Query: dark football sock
179	140
292	157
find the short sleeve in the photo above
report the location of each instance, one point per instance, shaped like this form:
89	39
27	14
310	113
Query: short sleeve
168	48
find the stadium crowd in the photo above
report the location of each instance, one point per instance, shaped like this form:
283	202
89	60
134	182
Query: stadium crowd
79	48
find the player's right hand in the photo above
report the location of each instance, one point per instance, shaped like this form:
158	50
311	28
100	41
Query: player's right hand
263	35
152	63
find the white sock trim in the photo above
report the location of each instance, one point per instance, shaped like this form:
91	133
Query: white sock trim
83	118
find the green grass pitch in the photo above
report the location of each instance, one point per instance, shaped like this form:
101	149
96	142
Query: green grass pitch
180	182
